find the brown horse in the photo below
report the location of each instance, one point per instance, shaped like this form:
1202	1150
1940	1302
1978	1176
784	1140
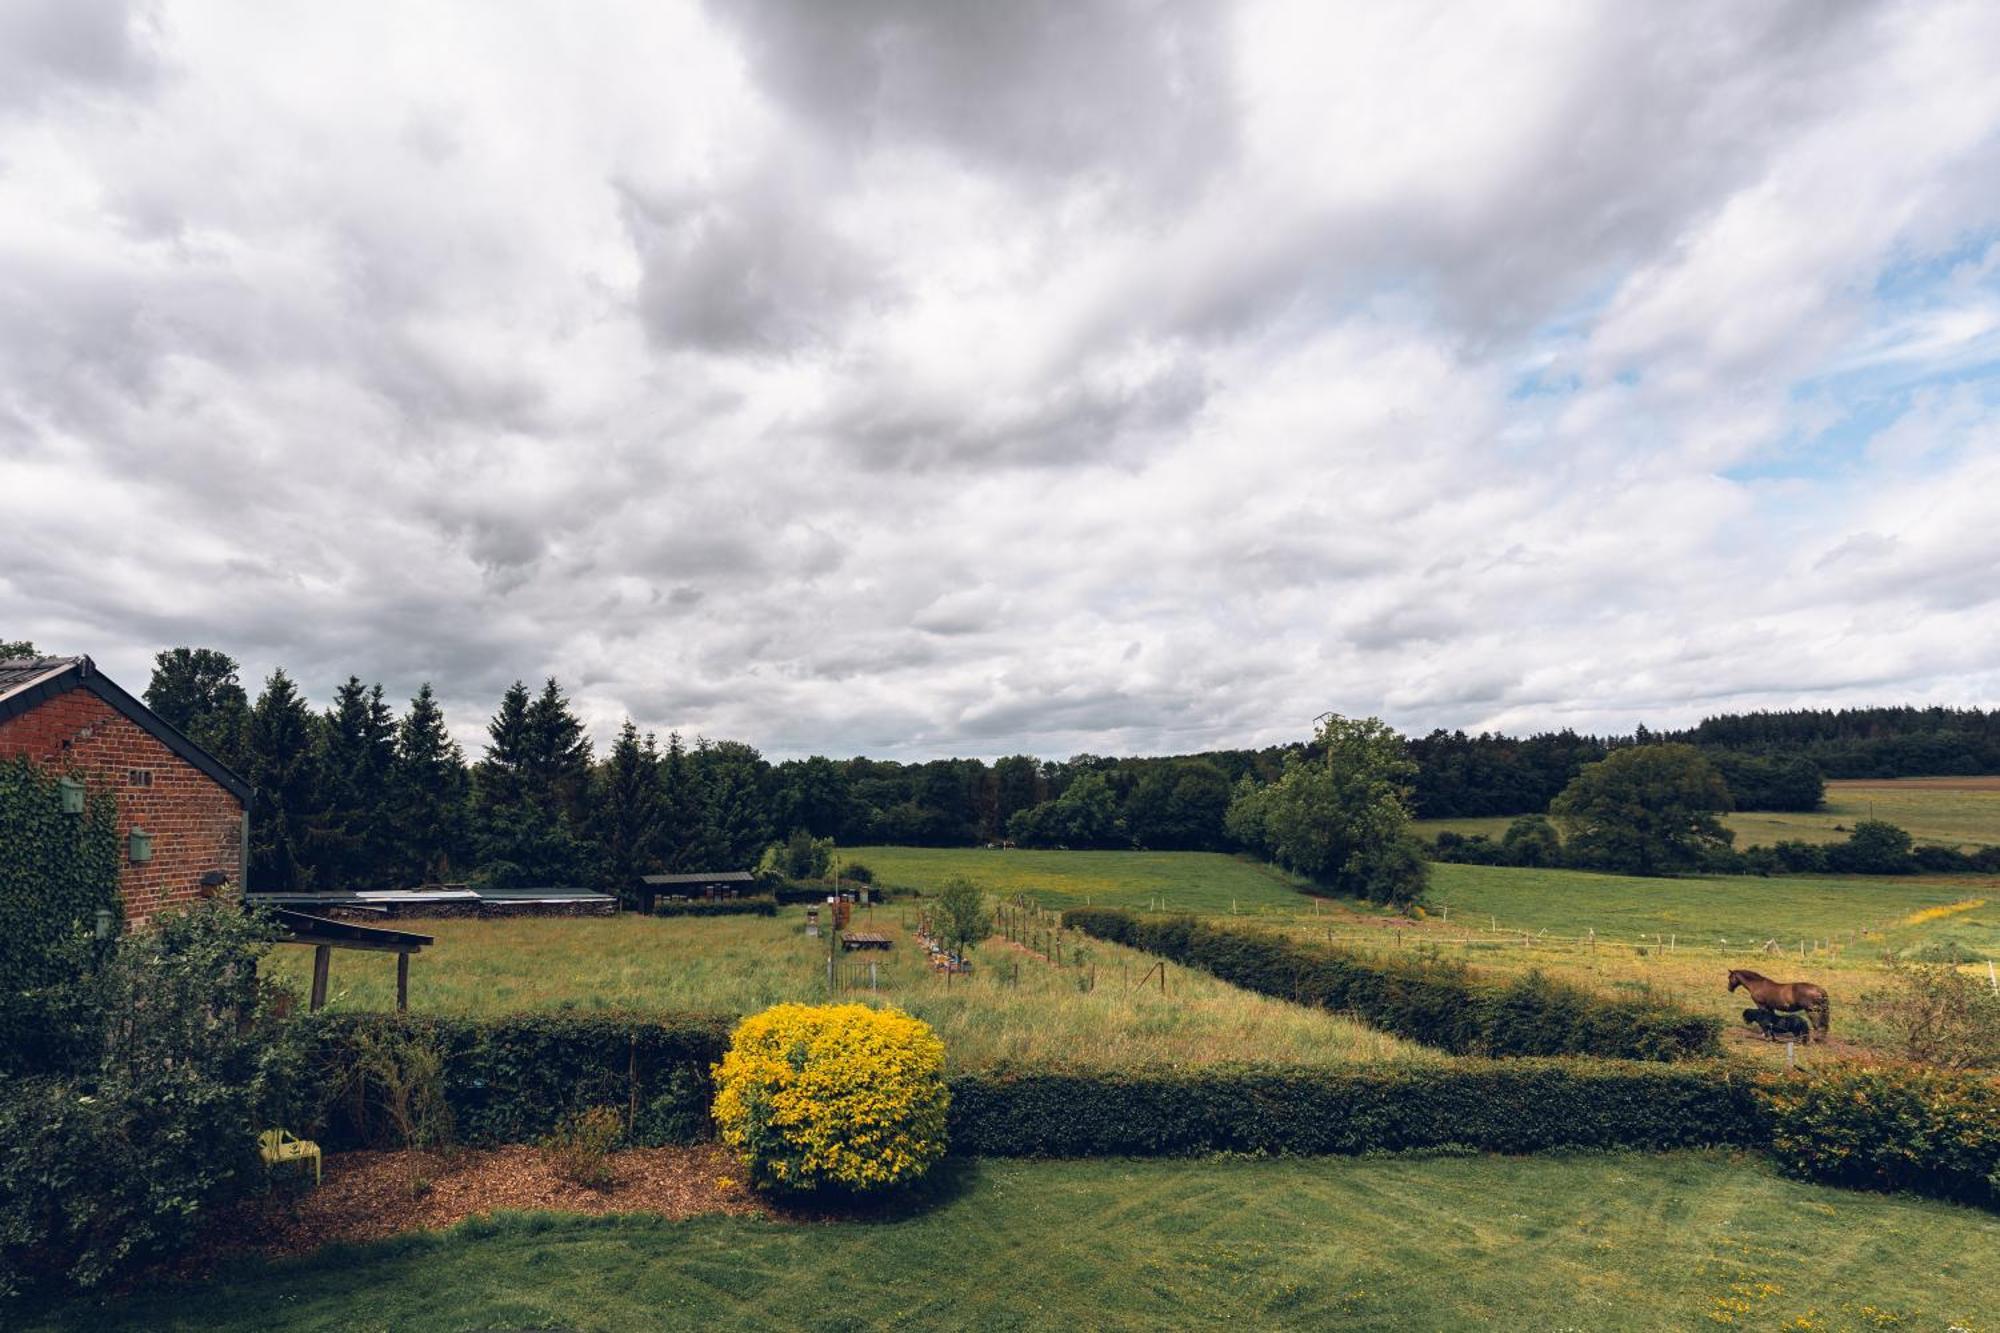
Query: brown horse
1786	997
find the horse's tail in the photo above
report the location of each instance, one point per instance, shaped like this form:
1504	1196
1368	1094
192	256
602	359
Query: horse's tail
1825	1008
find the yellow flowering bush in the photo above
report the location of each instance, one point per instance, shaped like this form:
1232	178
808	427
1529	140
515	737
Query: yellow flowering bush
838	1096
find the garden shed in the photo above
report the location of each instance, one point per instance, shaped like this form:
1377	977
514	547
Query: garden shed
706	885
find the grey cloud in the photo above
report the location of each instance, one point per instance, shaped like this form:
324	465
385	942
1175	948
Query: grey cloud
1131	92
53	48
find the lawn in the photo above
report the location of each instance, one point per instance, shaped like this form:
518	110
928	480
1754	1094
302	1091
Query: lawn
1614	1241
1206	882
1956	812
1014	1006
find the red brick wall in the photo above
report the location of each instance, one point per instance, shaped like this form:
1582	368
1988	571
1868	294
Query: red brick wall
197	826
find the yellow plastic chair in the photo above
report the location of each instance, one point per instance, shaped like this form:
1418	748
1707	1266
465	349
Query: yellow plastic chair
278	1145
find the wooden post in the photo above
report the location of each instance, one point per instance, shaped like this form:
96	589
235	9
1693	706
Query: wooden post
403	981
322	955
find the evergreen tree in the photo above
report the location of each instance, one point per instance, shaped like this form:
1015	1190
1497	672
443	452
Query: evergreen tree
283	768
352	848
428	791
526	837
681	815
195	691
627	812
557	770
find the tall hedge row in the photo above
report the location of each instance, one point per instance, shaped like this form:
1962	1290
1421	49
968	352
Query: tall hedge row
1513	1106
717	907
1439	1004
512	1079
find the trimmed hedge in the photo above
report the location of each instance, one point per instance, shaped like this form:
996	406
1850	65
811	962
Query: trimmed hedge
1439	1004
512	1080
1894	1128
1512	1106
718	907
792	892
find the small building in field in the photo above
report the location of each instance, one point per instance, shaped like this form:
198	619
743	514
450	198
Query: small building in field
706	885
182	816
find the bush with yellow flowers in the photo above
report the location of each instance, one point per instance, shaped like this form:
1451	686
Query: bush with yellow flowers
833	1097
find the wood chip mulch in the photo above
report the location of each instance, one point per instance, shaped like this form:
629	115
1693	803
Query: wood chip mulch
368	1195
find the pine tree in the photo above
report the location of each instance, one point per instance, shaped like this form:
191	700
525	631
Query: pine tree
627	810
680	813
352	846
558	756
428	791
284	770
536	758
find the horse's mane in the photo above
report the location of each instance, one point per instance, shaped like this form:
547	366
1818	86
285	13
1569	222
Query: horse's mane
1746	972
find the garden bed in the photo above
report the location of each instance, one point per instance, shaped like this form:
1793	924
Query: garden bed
370	1195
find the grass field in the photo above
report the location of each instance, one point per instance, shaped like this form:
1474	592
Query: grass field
1598	1242
1013	1007
1956	812
1206	882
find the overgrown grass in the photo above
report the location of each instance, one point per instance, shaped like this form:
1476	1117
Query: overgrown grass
1616	1241
1954	812
1014	1006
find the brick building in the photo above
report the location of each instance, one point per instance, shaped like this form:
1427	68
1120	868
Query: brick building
182	816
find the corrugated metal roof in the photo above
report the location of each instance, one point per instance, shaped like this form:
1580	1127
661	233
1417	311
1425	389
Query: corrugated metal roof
704	877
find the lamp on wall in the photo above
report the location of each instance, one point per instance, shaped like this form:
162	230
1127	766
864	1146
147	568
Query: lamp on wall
103	923
140	845
72	795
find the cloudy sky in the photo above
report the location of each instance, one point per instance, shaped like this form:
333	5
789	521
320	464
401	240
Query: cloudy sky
913	378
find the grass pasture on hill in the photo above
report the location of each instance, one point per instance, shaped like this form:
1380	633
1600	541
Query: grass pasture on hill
1954	812
1201	882
740	964
1614	1241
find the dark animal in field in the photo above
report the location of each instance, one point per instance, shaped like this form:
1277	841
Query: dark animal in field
1786	997
1775	1025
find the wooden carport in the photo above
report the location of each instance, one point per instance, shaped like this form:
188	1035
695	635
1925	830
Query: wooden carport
325	935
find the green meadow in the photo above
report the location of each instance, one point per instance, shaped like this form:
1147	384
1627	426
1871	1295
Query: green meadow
1013	1007
1613	1241
1955	812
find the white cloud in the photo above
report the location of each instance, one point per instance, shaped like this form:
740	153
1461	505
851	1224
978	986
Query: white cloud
915	379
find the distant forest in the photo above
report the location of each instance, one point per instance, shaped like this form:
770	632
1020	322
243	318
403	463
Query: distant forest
361	794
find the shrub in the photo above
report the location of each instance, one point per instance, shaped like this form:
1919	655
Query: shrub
1942	1016
395	1080
1509	1106
1440	1004
107	1167
759	906
857	872
1889	1128
580	1148
840	1097
1874	847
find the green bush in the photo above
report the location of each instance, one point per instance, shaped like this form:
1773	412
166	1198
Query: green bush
113	1165
579	1150
514	1079
56	871
1439	1004
1512	1106
760	906
1894	1128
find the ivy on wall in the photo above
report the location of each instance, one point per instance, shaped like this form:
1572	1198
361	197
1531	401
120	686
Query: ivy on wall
56	870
